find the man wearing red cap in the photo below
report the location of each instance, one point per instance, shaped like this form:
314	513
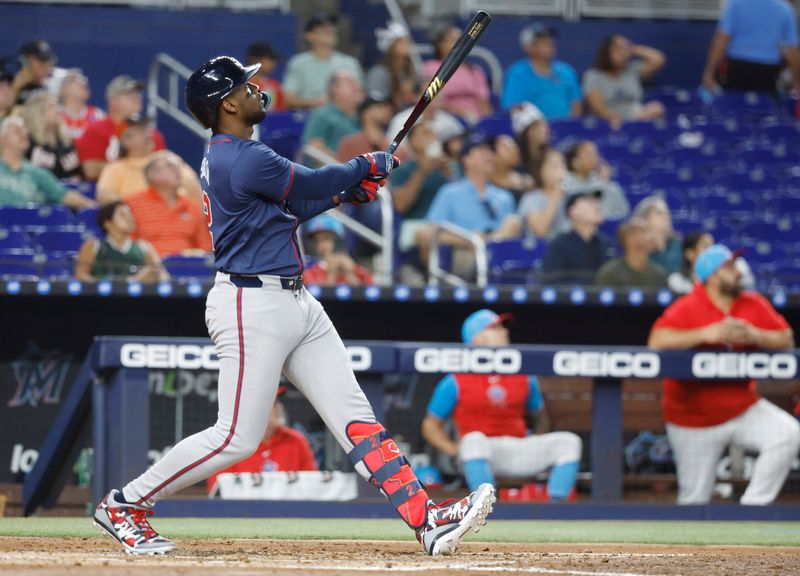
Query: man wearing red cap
493	415
705	417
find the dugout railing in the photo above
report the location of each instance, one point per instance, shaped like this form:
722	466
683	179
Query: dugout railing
110	394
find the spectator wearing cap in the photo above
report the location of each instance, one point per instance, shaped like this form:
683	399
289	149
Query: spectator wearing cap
415	183
613	86
542	209
306	81
751	40
172	223
282	449
125	176
117	255
507	161
327	125
263	53
668	251
22	183
532	134
704	418
586	170
38	61
633	268
394	78
693	244
502	426
374	116
335	265
73	97
466	93
51	147
575	256
99	144
472	203
550	84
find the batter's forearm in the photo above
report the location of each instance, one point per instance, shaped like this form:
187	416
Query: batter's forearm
305	210
326	182
775	339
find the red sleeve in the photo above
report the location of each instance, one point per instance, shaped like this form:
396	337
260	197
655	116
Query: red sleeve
158	140
677	315
764	315
315	275
93	144
307	462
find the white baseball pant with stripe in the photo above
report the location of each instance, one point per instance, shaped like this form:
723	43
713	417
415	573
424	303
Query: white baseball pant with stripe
259	333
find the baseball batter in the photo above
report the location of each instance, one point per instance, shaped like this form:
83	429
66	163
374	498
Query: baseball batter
493	414
264	322
704	418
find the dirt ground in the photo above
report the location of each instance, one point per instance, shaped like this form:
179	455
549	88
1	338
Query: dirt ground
69	557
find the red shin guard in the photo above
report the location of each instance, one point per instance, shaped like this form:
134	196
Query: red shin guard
389	470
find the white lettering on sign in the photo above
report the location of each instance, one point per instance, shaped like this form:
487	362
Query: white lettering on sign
737	365
607	364
476	360
360	358
184	356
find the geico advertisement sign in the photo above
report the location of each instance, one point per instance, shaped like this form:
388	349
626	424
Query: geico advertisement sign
476	360
607	364
733	365
193	357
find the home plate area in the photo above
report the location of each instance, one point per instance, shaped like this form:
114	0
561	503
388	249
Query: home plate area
69	556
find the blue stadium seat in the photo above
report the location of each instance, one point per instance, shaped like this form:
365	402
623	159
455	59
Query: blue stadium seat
754	180
579	129
88	218
683	178
35	216
709	153
58	269
60	241
13	240
495	125
283	132
19	270
769	155
657	131
730	201
675	101
752	103
88	189
514	261
190	266
780	132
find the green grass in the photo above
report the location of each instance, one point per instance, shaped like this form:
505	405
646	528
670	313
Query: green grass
727	533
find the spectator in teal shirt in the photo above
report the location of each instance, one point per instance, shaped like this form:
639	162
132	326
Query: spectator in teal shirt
550	84
339	118
22	183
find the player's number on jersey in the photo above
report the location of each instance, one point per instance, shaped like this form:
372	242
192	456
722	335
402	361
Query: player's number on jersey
209	217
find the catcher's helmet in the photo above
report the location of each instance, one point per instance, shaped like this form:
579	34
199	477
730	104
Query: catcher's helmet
212	82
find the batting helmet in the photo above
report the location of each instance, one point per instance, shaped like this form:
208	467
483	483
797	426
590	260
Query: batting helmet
211	83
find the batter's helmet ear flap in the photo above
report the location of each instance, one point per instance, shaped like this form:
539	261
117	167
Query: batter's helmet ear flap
211	83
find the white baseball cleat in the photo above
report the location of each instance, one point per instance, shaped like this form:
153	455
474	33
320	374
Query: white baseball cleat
448	523
128	524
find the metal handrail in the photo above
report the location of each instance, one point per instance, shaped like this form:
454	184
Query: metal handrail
171	104
396	14
383	241
435	271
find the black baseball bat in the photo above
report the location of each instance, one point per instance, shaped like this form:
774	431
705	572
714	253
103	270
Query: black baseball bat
453	60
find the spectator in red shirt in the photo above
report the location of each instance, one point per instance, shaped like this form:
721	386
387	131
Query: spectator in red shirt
263	53
705	417
74	99
100	142
335	266
282	449
172	223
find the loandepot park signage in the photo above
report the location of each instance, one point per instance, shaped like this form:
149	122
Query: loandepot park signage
427	358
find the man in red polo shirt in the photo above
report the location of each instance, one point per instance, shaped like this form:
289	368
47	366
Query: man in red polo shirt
705	417
282	449
100	141
172	223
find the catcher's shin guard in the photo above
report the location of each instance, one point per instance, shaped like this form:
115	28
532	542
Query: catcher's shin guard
389	470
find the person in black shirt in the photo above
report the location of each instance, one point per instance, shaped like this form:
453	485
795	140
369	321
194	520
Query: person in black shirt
575	256
51	146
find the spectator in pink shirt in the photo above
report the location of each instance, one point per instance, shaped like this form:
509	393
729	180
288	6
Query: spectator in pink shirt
467	92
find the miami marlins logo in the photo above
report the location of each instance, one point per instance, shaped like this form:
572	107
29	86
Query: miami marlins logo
433	88
496	393
40	377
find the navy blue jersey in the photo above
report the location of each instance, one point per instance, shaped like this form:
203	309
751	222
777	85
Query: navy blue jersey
254	200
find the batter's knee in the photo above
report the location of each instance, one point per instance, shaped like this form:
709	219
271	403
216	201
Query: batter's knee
474	446
571	447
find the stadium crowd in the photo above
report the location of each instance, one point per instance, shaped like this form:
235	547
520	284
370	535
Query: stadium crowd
525	166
